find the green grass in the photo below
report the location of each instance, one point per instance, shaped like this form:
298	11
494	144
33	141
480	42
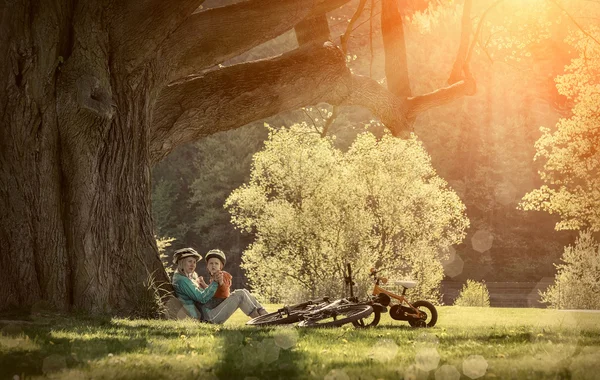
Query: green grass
514	343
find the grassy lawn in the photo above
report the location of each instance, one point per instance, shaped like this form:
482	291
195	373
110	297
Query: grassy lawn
466	343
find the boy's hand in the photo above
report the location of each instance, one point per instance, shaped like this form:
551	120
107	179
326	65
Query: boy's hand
218	277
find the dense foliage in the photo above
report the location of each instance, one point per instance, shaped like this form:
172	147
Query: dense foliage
312	208
577	283
570	153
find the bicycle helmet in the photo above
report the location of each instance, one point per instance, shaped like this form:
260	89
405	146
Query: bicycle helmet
185	252
218	254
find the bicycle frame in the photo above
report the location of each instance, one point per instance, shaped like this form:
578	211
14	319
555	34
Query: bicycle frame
327	307
401	298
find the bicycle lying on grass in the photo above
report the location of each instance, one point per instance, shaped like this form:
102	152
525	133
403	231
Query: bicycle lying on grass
418	314
325	313
320	312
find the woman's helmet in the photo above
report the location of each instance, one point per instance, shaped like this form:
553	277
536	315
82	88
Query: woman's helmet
185	252
218	254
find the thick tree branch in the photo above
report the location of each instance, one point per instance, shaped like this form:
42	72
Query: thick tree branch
465	33
442	96
391	109
139	27
236	95
396	65
312	30
239	94
215	35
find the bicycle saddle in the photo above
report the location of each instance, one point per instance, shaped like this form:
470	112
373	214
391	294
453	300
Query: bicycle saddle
407	284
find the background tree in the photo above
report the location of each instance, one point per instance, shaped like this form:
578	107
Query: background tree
570	154
577	283
570	173
312	208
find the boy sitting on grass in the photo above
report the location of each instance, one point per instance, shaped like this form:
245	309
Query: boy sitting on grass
216	310
215	261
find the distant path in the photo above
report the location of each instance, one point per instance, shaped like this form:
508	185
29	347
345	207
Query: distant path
582	310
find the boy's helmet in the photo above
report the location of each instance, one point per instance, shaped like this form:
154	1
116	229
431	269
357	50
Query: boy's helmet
185	252
218	254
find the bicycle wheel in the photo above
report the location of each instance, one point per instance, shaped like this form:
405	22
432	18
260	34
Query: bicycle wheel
285	315
337	316
429	313
369	321
278	317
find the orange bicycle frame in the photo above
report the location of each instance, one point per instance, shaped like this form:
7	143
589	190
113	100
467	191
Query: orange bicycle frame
399	297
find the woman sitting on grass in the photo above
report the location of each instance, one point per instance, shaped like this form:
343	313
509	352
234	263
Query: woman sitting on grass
187	288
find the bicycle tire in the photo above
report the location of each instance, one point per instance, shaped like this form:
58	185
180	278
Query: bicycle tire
284	316
275	318
366	322
425	322
351	313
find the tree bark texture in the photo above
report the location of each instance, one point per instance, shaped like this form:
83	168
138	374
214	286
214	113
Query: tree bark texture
76	230
396	64
95	92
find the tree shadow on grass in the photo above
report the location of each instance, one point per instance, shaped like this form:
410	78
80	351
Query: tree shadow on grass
264	353
72	342
33	348
42	353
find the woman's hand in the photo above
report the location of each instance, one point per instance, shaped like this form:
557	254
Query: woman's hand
201	282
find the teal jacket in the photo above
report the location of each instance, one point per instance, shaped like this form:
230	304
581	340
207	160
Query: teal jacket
188	293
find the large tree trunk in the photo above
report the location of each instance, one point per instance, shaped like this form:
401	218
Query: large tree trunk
74	174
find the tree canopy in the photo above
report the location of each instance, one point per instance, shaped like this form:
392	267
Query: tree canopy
312	208
570	156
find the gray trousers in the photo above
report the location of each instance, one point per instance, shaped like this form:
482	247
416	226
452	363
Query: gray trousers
239	298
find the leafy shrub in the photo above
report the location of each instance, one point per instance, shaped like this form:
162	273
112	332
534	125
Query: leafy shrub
163	244
473	293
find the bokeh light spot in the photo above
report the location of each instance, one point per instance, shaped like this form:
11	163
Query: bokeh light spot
427	358
11	330
337	374
384	350
270	349
426	340
447	372
475	366
415	373
505	193
454	268
482	240
54	363
286	338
